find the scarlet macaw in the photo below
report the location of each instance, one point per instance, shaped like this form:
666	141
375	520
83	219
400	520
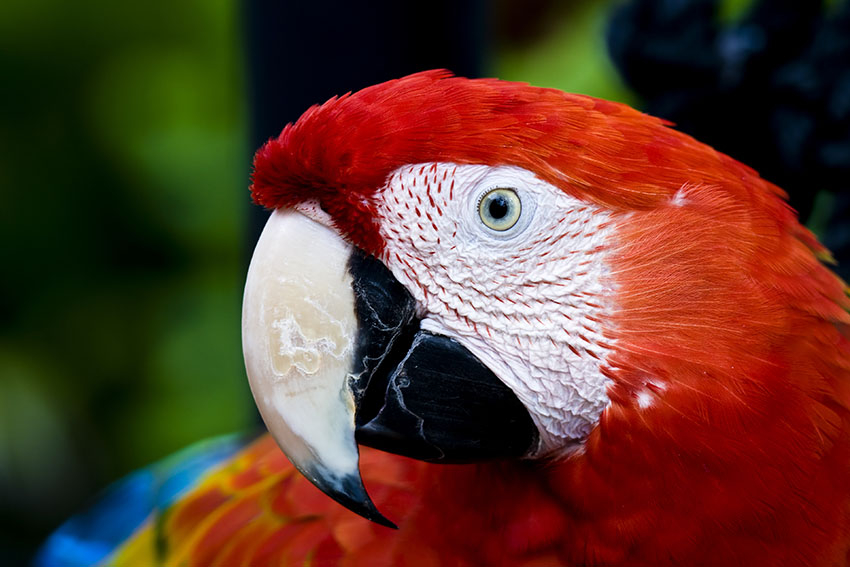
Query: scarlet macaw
626	338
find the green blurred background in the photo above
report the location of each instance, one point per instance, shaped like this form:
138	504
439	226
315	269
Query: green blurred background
123	171
124	163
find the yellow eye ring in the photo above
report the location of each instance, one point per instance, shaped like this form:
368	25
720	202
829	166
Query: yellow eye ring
499	209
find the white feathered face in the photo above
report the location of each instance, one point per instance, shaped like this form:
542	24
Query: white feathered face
514	269
478	331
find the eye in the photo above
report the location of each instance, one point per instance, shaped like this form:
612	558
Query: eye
499	209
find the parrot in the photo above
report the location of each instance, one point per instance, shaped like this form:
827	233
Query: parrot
489	323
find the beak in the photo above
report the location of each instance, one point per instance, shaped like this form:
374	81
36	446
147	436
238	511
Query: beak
335	356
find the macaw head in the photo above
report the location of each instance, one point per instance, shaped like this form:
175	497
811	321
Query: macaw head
460	270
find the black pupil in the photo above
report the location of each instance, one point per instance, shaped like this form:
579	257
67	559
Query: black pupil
498	207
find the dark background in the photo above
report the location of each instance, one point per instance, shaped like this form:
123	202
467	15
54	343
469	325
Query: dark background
126	134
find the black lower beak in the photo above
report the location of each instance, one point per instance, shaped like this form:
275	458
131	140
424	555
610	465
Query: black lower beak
423	395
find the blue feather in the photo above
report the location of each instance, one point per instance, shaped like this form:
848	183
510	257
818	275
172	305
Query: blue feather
91	536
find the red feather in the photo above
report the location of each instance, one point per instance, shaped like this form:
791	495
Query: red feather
722	310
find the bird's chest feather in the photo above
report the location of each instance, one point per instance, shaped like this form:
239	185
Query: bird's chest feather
659	505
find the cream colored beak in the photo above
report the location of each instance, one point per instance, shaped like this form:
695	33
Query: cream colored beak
298	337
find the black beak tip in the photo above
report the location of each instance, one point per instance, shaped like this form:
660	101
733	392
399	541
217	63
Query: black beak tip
349	491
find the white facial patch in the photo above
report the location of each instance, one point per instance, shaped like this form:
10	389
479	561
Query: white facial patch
528	301
645	398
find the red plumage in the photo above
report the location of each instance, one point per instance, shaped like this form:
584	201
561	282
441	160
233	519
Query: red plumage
721	297
342	151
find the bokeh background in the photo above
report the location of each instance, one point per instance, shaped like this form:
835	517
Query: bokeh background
126	134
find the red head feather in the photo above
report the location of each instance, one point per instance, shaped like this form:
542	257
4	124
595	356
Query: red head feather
342	151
